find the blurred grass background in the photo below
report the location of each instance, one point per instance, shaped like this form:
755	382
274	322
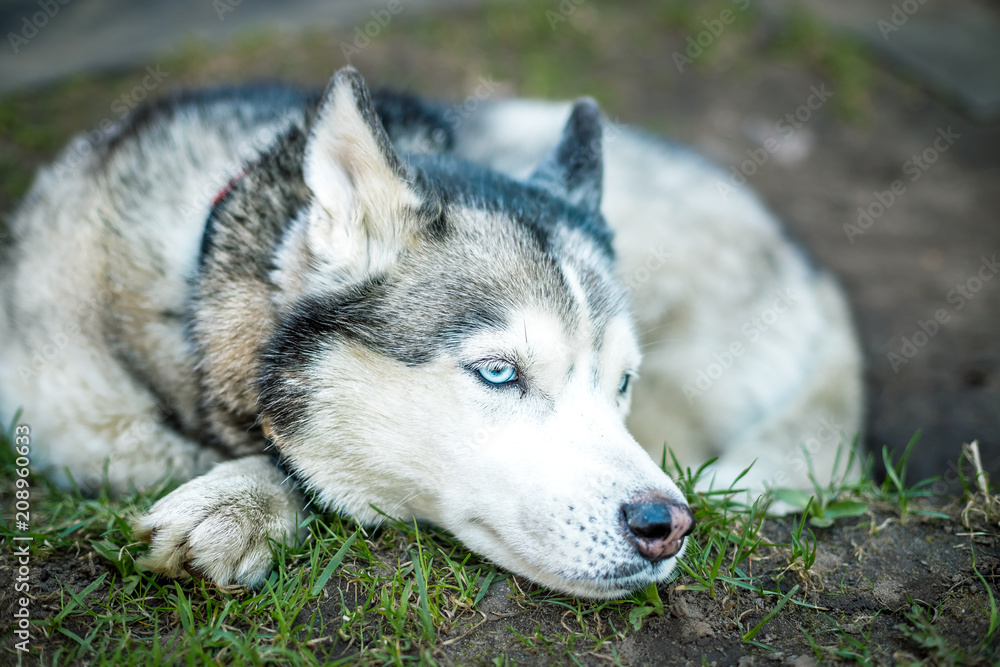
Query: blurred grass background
620	54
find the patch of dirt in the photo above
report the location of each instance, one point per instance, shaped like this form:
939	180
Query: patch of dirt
49	572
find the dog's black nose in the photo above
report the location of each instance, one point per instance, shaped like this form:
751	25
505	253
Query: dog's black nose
659	526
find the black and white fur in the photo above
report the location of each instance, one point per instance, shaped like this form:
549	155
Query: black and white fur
343	308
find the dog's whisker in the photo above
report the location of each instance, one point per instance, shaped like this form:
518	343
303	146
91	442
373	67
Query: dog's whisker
657	343
388	513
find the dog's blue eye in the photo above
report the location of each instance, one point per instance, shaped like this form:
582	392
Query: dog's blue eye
501	374
623	384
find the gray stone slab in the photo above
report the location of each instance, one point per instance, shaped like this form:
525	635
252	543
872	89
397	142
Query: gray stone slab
957	58
952	48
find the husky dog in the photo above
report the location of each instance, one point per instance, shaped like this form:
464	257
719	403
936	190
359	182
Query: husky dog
277	298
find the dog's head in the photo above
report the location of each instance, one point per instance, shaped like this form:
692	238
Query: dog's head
454	346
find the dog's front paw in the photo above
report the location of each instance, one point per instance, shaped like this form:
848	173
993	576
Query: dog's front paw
217	526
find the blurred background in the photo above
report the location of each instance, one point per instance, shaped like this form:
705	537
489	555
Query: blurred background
890	175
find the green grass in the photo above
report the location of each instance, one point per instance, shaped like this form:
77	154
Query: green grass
853	647
922	628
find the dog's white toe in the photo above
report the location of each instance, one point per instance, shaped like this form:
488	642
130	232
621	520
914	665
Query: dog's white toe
217	526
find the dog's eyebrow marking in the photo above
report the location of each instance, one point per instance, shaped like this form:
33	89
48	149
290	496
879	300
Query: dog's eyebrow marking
585	328
575	288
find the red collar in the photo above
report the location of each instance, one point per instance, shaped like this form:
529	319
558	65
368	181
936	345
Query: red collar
229	186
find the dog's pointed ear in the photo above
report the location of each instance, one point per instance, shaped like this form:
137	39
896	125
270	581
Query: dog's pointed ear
350	165
363	207
574	169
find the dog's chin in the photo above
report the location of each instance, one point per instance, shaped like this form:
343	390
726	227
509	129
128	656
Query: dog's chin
618	572
602	583
619	584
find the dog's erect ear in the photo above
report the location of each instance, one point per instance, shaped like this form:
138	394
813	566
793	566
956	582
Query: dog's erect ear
363	202
574	169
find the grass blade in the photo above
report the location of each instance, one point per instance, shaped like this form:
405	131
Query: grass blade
994	614
486	587
78	599
332	565
425	614
771	614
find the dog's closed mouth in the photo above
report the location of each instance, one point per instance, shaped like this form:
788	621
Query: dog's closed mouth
658	549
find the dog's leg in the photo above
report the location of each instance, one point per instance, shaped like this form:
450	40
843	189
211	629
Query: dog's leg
217	526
